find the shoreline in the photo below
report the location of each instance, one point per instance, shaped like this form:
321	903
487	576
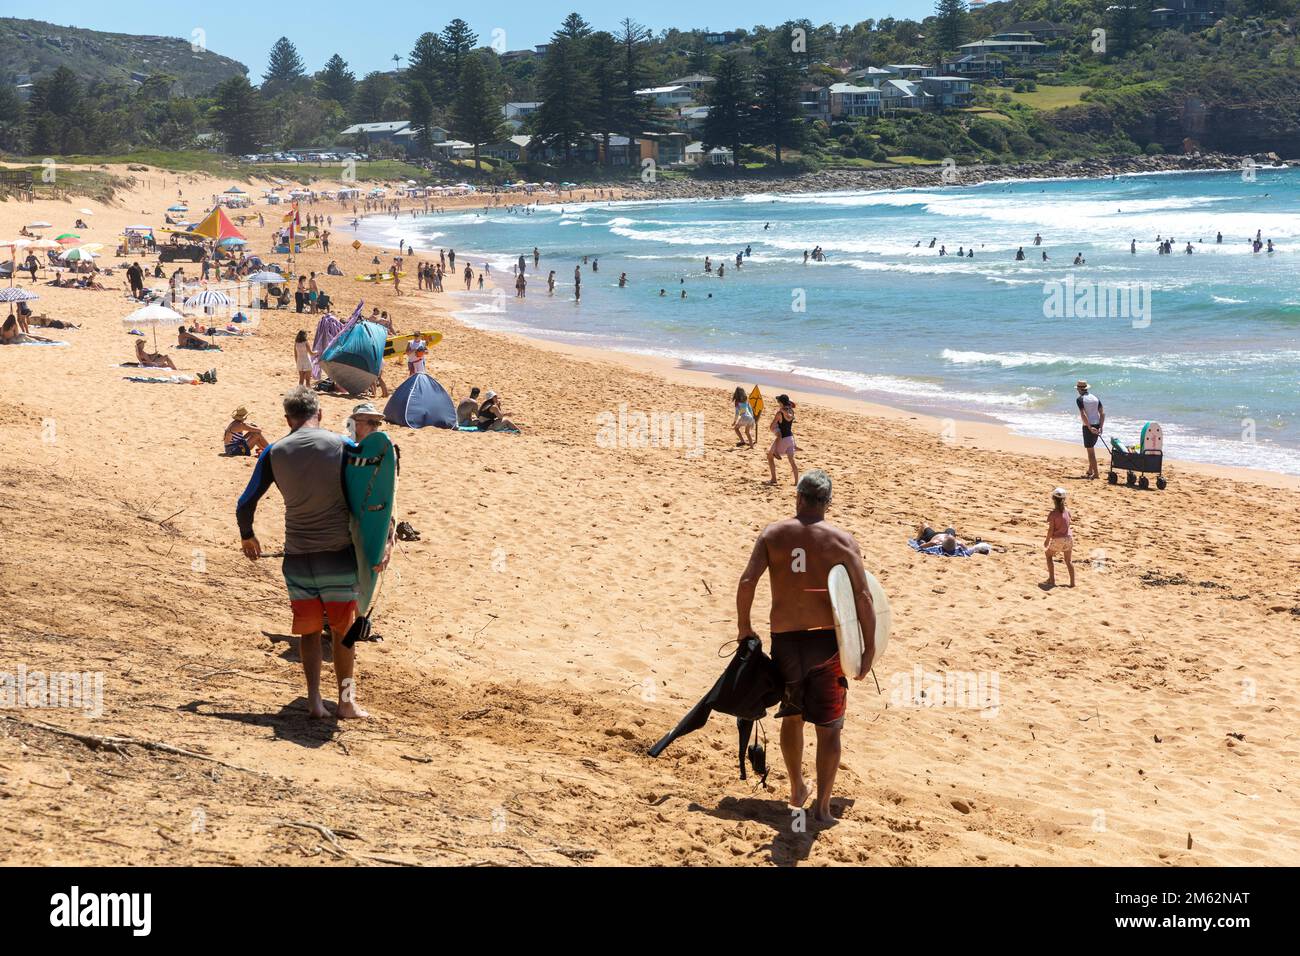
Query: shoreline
936	174
985	432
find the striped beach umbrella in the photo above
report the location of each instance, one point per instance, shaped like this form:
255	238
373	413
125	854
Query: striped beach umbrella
78	254
207	299
14	294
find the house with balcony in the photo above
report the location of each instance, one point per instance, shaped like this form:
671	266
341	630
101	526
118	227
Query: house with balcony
666	149
1186	14
1020	48
911	71
697	83
1042	30
517	114
669	97
976	66
513	149
902	95
815	102
947	92
849	101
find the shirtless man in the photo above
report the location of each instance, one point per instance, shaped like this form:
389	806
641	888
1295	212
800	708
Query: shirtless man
798	554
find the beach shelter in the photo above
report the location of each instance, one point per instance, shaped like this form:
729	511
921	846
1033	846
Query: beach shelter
327	330
420	402
216	225
356	356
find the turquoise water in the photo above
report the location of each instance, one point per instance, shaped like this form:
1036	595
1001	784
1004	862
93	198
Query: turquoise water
1213	352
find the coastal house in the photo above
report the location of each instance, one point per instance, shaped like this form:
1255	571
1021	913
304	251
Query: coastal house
697	155
512	149
815	102
372	133
620	149
873	75
1186	14
847	100
666	149
1042	30
947	92
911	71
690	119
721	39
902	95
695	82
976	66
1020	48
669	97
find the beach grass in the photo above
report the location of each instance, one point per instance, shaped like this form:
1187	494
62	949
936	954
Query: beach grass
1051	97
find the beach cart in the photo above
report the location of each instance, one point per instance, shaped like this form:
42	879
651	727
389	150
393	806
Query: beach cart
1147	457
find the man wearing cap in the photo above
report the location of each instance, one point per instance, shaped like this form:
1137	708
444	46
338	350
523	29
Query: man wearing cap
320	563
798	554
1094	418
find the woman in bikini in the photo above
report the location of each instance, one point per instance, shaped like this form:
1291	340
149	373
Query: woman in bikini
784	445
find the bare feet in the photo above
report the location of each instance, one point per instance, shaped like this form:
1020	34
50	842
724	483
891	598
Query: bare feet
316	709
799	793
349	710
822	814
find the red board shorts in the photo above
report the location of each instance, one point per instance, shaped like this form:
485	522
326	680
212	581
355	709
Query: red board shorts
321	586
815	686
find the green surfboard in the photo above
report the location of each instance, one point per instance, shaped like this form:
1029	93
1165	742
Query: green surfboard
371	482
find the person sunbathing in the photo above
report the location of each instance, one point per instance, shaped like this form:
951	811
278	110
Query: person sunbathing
9	334
241	436
490	416
152	359
188	340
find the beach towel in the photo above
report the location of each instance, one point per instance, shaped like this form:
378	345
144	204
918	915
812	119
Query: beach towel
961	551
327	330
165	379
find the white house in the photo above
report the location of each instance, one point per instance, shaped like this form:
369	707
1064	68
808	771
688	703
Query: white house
849	100
669	97
1020	48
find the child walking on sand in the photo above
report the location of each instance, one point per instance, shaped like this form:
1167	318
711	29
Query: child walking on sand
744	418
1059	538
302	358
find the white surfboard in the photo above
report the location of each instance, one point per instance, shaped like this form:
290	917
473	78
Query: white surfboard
848	630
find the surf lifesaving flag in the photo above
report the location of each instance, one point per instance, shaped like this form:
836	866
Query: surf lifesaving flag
291	217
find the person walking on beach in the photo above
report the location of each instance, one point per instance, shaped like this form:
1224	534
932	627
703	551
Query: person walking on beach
1093	416
744	418
798	554
134	276
320	563
302	358
782	428
1060	540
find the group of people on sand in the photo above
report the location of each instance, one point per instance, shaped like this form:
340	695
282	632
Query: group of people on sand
485	414
782	428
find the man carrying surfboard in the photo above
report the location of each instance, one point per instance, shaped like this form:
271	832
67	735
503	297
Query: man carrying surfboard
320	562
798	555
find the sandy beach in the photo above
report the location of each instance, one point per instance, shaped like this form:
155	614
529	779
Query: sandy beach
567	604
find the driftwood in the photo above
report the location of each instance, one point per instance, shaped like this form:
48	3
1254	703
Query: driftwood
118	744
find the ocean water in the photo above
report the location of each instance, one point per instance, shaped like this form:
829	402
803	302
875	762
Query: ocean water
1209	345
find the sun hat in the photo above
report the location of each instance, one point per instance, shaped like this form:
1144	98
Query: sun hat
367	410
240	413
1081	384
1060	493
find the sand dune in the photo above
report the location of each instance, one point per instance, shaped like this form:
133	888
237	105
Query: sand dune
567	604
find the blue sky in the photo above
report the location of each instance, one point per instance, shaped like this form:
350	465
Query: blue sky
367	35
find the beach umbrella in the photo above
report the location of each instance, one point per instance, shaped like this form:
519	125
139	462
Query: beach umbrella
235	190
76	255
39	224
266	277
152	316
232	241
42	244
14	294
207	299
68	239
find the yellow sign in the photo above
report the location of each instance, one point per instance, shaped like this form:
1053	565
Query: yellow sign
356	243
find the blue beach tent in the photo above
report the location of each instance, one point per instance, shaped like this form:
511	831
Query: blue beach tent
419	402
355	358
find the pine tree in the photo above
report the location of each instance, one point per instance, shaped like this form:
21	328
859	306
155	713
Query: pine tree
375	94
606	99
634	111
284	68
337	82
778	117
476	115
12	120
574	27
731	106
457	41
237	115
566	96
950	25
421	115
426	65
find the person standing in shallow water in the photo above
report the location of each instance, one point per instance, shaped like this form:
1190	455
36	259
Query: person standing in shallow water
797	554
